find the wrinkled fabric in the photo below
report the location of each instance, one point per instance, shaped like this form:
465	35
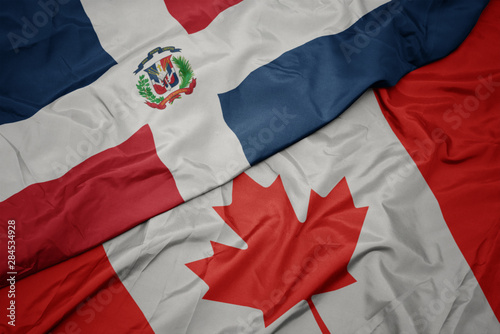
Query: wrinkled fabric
410	271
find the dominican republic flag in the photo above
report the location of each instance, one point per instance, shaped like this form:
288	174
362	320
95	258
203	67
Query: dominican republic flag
270	184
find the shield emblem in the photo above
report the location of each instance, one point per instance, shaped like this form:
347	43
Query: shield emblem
163	75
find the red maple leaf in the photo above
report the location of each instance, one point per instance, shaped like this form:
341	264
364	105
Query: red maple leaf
286	261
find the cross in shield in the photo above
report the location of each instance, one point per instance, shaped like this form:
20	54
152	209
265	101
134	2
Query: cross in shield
162	75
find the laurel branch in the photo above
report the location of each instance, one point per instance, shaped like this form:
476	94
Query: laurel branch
145	90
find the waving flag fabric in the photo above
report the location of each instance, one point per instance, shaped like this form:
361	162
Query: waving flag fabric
204	97
49	49
318	80
367	225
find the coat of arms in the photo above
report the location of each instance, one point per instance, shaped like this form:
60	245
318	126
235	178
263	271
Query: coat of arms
164	78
